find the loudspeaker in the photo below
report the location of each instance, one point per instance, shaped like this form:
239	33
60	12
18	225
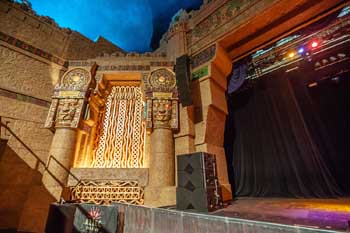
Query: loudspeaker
64	218
182	70
198	187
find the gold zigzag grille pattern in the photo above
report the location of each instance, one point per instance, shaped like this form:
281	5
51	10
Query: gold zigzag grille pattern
122	140
108	192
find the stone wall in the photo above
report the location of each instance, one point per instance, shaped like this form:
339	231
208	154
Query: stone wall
33	55
26	85
43	33
24	202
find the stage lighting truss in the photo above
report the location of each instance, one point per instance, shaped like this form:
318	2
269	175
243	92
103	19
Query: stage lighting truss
304	48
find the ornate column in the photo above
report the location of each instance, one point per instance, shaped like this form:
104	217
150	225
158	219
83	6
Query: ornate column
161	120
67	107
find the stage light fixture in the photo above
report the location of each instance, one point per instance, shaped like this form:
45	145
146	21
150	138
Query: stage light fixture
301	50
314	44
291	54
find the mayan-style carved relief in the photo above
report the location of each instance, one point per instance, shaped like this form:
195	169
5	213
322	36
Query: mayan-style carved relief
76	79
161	99
68	99
108	192
203	56
68	112
161	80
206	27
162	109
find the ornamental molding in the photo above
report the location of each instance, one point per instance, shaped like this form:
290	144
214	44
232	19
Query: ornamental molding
204	56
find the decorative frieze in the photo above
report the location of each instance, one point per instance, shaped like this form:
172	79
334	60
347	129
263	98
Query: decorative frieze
127	192
125	68
203	56
215	20
31	49
24	98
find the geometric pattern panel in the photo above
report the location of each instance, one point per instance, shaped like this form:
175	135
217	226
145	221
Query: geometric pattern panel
121	140
95	192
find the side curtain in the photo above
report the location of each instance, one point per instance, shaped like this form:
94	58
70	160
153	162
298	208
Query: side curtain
271	145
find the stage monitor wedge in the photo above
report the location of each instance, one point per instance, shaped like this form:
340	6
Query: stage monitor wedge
182	70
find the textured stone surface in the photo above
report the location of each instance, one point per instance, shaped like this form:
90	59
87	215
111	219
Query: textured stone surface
62	149
160	196
35	210
20	73
162	161
26	121
109	174
18	197
61	42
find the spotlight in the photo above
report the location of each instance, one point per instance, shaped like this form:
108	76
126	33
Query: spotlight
291	54
301	50
314	44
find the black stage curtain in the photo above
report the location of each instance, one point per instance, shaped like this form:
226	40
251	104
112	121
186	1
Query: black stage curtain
285	139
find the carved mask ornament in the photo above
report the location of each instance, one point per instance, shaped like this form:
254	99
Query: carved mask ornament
162	101
68	100
162	112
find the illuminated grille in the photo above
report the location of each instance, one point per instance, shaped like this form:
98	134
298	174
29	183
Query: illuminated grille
107	192
122	139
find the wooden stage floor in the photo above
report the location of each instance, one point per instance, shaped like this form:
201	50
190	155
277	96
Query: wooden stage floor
330	214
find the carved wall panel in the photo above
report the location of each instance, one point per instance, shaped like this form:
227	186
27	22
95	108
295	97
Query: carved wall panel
161	99
122	137
69	98
108	192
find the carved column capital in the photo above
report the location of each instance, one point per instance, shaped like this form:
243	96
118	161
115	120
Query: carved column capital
69	98
161	99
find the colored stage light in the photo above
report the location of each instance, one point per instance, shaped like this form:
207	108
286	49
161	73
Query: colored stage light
314	44
301	50
291	54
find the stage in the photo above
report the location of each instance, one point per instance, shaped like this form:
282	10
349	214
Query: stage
331	214
246	215
243	215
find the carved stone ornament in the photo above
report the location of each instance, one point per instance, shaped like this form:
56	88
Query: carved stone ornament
161	80
76	79
161	99
68	99
161	111
64	113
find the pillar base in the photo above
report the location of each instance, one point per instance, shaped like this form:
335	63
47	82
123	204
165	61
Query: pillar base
160	196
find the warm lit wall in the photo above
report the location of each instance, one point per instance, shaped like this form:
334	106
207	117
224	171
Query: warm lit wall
21	79
32	58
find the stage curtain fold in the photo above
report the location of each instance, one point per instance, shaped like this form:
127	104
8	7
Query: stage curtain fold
273	145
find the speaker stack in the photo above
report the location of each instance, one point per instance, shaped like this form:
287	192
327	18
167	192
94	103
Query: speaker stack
198	187
182	70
